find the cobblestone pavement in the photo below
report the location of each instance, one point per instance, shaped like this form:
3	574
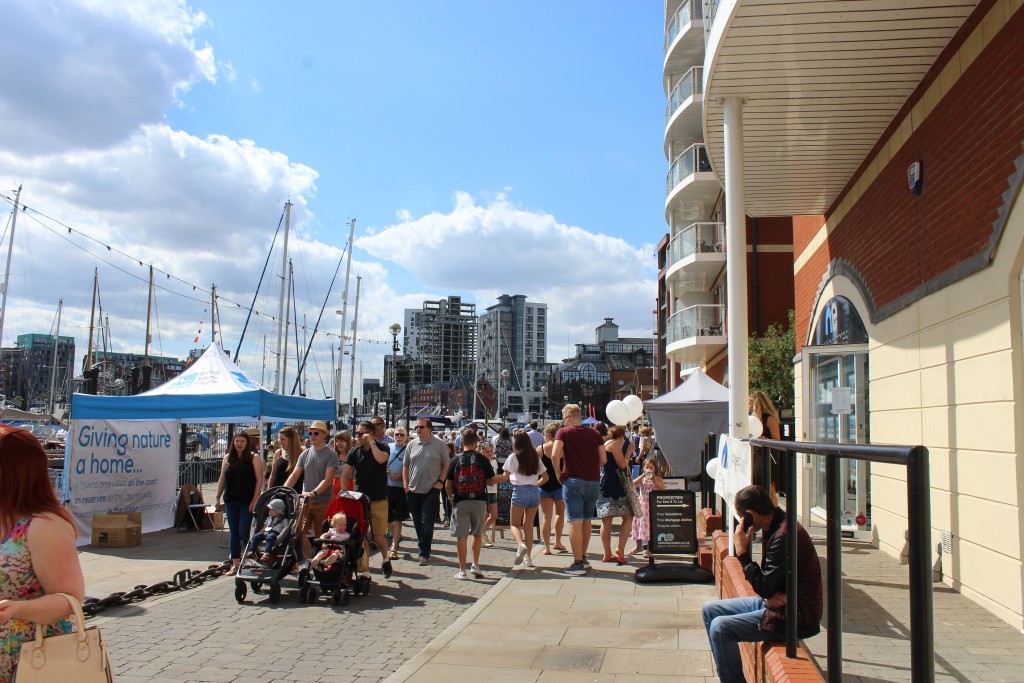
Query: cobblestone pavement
204	635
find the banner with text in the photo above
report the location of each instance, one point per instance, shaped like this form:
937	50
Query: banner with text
122	466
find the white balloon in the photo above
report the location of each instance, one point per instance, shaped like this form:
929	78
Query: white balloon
754	426
617	412
635	405
712	468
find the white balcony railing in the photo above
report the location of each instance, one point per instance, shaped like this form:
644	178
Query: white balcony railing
692	83
697	238
706	320
693	160
687	13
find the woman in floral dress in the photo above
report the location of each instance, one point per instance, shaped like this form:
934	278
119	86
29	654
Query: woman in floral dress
37	549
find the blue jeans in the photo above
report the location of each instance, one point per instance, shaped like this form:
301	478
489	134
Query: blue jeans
423	508
729	623
580	498
240	525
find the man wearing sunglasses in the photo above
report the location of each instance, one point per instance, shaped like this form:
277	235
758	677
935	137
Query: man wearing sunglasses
423	474
368	462
318	463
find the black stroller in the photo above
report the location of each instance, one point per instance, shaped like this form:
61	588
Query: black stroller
266	563
340	580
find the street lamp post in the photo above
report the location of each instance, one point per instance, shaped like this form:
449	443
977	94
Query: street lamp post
395	329
543	403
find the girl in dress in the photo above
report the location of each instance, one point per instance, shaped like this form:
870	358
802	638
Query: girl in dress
648	481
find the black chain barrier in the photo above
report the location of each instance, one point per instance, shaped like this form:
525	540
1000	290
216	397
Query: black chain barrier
186	578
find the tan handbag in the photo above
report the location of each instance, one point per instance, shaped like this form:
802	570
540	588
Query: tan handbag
80	656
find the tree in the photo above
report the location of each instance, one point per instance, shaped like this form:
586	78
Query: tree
771	363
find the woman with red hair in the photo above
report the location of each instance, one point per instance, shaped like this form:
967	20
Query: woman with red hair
37	549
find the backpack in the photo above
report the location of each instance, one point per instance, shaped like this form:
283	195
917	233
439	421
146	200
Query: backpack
470	481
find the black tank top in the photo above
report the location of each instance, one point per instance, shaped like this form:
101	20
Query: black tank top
239	482
282	475
552	484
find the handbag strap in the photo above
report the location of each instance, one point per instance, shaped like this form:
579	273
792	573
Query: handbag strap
76	609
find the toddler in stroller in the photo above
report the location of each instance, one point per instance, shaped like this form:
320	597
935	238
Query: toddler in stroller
331	551
348	515
263	541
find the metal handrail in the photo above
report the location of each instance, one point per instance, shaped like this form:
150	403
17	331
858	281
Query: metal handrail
702	320
919	522
694	159
697	238
681	20
692	83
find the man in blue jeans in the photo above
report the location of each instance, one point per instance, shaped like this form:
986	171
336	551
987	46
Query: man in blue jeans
749	620
577	456
423	475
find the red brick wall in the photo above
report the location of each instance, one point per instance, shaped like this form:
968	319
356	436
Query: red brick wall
967	145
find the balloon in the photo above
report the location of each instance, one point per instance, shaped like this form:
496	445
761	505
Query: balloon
754	426
617	412
712	468
635	405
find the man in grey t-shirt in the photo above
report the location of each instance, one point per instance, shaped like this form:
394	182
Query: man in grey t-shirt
423	472
318	462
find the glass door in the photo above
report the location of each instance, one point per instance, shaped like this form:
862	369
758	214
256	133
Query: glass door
838	413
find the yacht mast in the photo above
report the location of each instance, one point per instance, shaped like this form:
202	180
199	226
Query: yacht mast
7	269
344	314
92	317
282	319
283	357
56	344
149	316
355	330
214	315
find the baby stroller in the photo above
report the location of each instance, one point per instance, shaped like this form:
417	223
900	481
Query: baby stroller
269	565
341	579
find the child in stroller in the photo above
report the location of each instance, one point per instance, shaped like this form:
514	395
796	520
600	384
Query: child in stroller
332	550
338	579
263	541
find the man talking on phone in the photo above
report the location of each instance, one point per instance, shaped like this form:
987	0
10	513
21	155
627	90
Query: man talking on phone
745	620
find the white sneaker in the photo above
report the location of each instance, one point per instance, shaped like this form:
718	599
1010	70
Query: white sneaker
461	575
528	563
520	554
476	571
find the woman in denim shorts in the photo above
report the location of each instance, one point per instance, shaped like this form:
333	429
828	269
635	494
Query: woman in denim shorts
552	504
487	450
524	469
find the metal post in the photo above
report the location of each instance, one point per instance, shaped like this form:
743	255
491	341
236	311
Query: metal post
834	568
736	265
791	555
919	522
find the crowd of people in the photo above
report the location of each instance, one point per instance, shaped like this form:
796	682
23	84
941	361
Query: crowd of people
568	474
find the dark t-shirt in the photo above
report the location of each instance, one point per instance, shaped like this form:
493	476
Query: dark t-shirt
580	447
456	462
371	476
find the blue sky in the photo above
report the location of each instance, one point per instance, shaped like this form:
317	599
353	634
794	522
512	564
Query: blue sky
483	148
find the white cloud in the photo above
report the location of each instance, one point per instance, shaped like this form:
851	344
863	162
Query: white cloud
228	69
255	84
86	74
500	248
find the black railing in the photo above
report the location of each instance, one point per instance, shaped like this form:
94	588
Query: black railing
915	459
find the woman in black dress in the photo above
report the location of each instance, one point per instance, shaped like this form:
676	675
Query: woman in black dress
240	484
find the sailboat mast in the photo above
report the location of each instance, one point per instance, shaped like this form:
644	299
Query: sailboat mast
92	317
283	358
149	317
355	331
7	269
282	319
344	314
214	314
56	343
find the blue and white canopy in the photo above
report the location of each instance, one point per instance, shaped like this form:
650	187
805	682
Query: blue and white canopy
213	389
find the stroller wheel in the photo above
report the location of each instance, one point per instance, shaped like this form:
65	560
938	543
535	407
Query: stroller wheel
275	593
240	590
336	596
344	597
311	594
366	585
303	577
257	587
